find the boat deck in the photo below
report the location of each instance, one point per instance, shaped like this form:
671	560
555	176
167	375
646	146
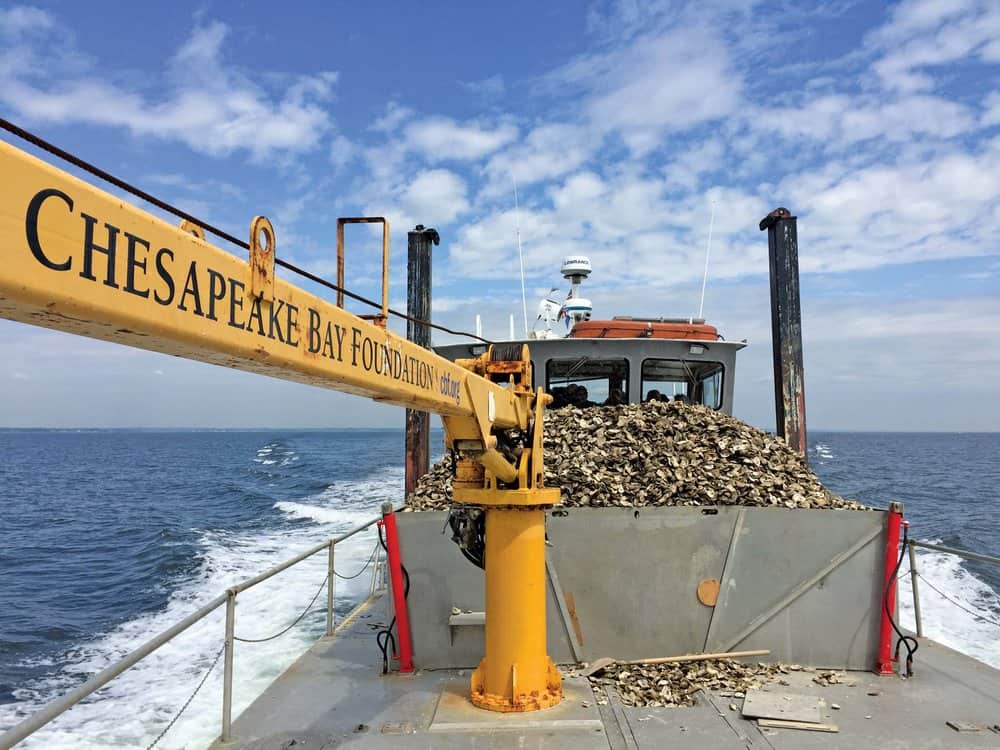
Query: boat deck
335	696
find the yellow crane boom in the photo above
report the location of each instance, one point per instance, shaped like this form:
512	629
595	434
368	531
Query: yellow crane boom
75	258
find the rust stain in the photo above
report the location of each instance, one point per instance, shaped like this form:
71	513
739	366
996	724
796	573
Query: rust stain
571	608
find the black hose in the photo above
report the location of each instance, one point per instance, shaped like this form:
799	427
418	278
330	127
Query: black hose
909	642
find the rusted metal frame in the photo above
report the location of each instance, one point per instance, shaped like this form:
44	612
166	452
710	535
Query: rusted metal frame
800	589
786	328
381	318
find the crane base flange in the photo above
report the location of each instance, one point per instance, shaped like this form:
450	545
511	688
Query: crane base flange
536	700
537	498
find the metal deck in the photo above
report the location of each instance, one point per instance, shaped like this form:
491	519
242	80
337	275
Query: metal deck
335	696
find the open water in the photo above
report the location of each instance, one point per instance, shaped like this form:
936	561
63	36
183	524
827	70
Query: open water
108	537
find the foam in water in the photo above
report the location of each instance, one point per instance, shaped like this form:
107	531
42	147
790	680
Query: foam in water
135	707
942	620
821	450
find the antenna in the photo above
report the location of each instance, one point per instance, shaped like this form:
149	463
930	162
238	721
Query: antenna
520	256
479	326
708	250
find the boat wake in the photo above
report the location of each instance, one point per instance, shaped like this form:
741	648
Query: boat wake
134	708
951	620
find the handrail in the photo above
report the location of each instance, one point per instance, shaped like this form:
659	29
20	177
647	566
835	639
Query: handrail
59	706
959	552
250	582
914	574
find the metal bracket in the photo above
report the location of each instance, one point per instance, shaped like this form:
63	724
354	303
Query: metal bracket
381	318
260	283
191	228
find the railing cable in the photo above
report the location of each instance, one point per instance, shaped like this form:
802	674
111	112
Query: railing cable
187	703
294	623
312	602
364	567
977	615
96	171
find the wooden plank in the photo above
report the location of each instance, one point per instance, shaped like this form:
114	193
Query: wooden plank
606	661
805	725
786	706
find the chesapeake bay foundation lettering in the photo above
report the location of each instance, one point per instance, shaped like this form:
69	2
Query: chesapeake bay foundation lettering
199	290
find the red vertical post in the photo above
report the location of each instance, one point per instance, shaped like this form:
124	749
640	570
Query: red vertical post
398	589
894	524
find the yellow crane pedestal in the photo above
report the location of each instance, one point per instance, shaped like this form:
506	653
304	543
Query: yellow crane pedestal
516	674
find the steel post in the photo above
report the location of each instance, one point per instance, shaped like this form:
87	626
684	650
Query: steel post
516	674
330	580
418	307
916	592
786	328
398	589
887	603
227	674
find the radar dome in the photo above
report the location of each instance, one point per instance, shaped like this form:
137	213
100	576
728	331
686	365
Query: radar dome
576	265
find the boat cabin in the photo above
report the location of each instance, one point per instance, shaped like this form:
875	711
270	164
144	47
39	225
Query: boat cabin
630	360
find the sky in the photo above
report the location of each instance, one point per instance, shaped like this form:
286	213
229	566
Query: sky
623	124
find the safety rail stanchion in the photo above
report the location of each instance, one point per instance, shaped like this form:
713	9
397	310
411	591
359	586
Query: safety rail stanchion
916	592
227	669
59	706
330	576
388	523
887	602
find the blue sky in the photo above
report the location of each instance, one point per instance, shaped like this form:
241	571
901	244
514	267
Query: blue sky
877	124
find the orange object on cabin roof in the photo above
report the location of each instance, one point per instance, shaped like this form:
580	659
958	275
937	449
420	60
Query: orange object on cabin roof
637	328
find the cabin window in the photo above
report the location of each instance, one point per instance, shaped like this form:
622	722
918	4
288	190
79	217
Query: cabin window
683	380
585	381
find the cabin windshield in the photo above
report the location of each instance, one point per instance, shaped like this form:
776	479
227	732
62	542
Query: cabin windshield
584	381
683	380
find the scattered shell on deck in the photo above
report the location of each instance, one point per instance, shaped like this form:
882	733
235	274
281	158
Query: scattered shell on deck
677	684
660	454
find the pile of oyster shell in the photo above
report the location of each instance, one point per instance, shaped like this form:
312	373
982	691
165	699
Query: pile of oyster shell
660	453
677	684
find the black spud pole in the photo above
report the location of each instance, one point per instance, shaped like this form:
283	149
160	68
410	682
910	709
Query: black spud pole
786	328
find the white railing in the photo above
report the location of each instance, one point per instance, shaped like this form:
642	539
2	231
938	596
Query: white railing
228	598
914	574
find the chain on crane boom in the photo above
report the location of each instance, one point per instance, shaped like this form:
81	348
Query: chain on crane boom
77	259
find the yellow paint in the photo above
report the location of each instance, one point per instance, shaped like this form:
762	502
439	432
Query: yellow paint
77	259
310	340
516	674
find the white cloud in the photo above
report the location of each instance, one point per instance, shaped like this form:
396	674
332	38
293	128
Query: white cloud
342	152
487	87
395	115
212	108
925	34
22	19
657	84
839	120
549	150
435	197
441	138
991	113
